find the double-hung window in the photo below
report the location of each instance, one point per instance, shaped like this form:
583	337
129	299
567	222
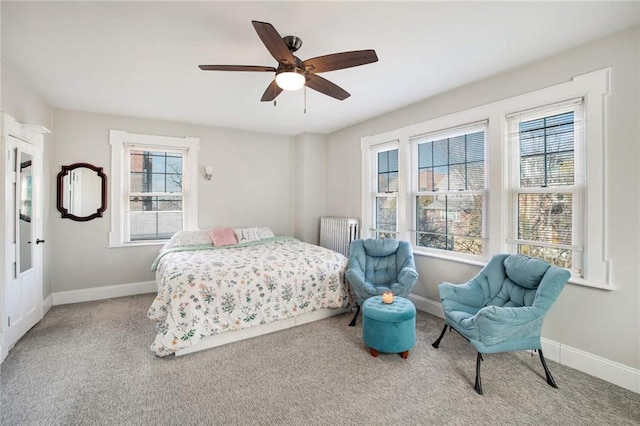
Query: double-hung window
155	198
547	183
154	189
449	189
386	194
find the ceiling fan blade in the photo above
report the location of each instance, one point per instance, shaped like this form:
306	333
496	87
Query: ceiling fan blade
274	43
338	61
323	85
271	93
235	68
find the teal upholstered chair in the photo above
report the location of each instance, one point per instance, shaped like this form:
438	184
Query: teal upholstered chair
379	265
502	308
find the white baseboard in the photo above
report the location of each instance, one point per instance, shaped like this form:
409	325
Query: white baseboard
47	303
99	293
611	371
427	305
602	368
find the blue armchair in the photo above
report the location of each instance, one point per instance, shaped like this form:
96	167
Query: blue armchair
502	308
377	265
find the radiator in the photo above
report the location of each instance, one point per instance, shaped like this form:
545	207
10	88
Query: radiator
336	233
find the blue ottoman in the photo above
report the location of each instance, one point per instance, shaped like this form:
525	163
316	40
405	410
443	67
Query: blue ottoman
390	327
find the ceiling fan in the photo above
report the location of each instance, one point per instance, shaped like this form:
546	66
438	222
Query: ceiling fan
292	73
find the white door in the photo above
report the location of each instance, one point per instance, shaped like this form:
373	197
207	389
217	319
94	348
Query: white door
23	305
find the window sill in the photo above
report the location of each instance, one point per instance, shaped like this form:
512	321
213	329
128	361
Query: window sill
585	283
481	262
451	258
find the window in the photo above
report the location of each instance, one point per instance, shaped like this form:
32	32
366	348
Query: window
526	176
155	194
547	184
386	196
449	190
154	189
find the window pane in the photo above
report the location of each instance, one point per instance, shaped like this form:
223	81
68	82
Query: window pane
546	218
547	151
450	222
453	164
154	225
155	171
555	256
386	216
388	171
153	218
425	155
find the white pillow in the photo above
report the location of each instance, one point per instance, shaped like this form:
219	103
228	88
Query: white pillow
188	238
244	235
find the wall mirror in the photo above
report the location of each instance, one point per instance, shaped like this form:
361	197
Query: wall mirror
82	192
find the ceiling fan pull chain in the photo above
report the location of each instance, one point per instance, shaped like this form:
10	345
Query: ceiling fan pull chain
305	99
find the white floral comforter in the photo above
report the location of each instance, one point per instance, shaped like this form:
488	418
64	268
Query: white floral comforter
206	290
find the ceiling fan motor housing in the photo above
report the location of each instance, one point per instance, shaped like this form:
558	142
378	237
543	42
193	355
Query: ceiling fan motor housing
292	42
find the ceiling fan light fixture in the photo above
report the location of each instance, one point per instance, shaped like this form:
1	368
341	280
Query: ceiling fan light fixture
290	79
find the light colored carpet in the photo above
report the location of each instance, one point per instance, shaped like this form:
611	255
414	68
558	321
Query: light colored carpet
90	364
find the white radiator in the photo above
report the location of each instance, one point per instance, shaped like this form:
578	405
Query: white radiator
336	233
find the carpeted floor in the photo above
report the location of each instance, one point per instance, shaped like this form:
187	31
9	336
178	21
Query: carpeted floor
90	364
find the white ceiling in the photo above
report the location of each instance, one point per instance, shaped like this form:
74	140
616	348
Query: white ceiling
140	58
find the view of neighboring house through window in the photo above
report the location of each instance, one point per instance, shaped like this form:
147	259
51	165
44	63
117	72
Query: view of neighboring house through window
154	189
548	184
155	197
386	198
449	192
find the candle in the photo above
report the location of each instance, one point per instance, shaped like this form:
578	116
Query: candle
387	297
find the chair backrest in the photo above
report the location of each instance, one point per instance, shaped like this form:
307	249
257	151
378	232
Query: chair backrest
525	281
381	259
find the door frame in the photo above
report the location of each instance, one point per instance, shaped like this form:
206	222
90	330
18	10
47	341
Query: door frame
33	135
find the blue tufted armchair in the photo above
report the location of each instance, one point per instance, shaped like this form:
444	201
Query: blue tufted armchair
502	308
377	265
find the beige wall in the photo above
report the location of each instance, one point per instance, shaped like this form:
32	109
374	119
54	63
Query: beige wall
311	185
23	103
604	323
252	185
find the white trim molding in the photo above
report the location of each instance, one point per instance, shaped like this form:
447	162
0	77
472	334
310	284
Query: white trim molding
100	293
594	365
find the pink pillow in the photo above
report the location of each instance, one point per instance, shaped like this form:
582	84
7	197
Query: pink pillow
223	237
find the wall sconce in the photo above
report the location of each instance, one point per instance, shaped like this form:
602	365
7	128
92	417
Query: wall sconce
208	172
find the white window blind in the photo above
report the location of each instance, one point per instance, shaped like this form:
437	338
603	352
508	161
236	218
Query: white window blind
547	181
449	189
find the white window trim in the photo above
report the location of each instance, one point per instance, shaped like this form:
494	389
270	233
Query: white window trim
118	139
594	87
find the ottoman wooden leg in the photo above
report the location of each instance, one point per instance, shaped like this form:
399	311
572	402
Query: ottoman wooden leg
374	352
405	354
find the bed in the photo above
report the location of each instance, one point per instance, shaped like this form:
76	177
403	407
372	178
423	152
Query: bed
211	295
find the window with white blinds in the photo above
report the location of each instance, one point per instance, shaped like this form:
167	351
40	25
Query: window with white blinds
547	183
449	189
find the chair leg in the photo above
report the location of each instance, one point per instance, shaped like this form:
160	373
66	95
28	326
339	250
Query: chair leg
437	342
550	380
353	321
478	386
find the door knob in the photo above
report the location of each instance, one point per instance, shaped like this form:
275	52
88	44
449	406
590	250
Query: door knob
38	241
